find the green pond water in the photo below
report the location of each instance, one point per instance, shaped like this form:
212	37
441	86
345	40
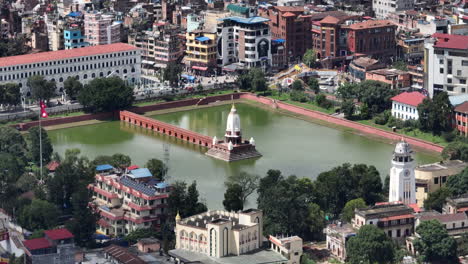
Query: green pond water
288	144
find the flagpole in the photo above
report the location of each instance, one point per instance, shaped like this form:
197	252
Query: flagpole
40	143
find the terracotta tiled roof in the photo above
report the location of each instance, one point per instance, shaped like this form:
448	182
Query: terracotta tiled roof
290	8
64	54
409	98
58	234
52	166
330	20
288	14
451	41
446	217
122	255
371	24
396	217
462	108
37	243
322	15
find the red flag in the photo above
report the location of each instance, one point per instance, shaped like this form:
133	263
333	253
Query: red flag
43	111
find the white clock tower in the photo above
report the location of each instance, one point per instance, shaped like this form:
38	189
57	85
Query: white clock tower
402	180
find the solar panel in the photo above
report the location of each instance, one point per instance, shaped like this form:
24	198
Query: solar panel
137	186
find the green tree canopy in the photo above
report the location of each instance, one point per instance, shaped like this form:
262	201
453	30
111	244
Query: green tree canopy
436	200
316	221
39	214
348	109
140	233
370	245
297	85
344	183
456	150
310	58
232	198
458	184
72	87
348	210
157	168
314	85
434	115
184	200
253	80
121	161
11	141
376	95
41	89
248	183
434	244
106	94
172	73
34	145
10	94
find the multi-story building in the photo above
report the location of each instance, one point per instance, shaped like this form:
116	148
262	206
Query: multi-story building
159	47
431	177
244	41
215	236
55	27
461	118
100	29
395	78
395	219
291	24
374	38
410	49
291	247
384	7
360	66
73	38
337	236
56	247
86	63
128	202
119	255
417	76
456	205
446	64
405	105
200	51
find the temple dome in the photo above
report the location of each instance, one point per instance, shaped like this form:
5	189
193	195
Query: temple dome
403	148
233	121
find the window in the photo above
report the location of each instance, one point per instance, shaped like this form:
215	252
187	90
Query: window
464	63
449	80
462	81
436	180
441	70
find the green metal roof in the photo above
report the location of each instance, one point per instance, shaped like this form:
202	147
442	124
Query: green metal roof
238	9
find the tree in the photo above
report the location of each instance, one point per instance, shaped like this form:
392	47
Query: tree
253	80
11	141
314	85
183	201
121	160
72	87
434	244
456	150
348	210
172	73
140	233
39	214
376	95
157	168
41	89
14	46
106	94
400	65
247	182
10	94
297	85
348	91
316	221
309	58
370	245
322	101
34	145
436	200
458	184
193	206
200	87
434	115
11	169
344	183
232	198
348	109
364	112
83	223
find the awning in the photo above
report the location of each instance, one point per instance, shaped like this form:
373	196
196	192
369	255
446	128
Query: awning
188	77
200	68
104	167
147	62
202	38
133	167
233	67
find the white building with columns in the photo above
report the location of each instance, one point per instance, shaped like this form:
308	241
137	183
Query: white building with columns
405	105
86	63
402	179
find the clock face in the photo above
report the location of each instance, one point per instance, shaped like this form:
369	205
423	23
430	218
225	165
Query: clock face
407	173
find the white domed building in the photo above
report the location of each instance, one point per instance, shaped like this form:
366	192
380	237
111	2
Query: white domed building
232	148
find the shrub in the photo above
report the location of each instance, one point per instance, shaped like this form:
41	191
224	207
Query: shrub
449	136
322	101
382	118
299	96
393	122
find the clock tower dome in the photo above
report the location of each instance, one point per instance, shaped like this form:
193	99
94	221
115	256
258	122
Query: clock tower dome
402	179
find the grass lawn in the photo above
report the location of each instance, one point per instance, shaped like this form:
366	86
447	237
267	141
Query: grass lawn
284	97
413	133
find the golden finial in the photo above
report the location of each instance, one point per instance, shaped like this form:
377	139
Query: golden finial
177	218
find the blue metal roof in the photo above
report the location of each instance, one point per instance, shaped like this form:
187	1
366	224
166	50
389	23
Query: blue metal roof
413	40
74	14
141	187
140	173
104	167
202	38
279	40
188	77
162	185
249	20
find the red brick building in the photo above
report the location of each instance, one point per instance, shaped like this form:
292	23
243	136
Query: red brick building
461	118
374	38
291	24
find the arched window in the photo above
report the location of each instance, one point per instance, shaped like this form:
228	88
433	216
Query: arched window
93	75
85	76
61	79
133	69
101	74
125	71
